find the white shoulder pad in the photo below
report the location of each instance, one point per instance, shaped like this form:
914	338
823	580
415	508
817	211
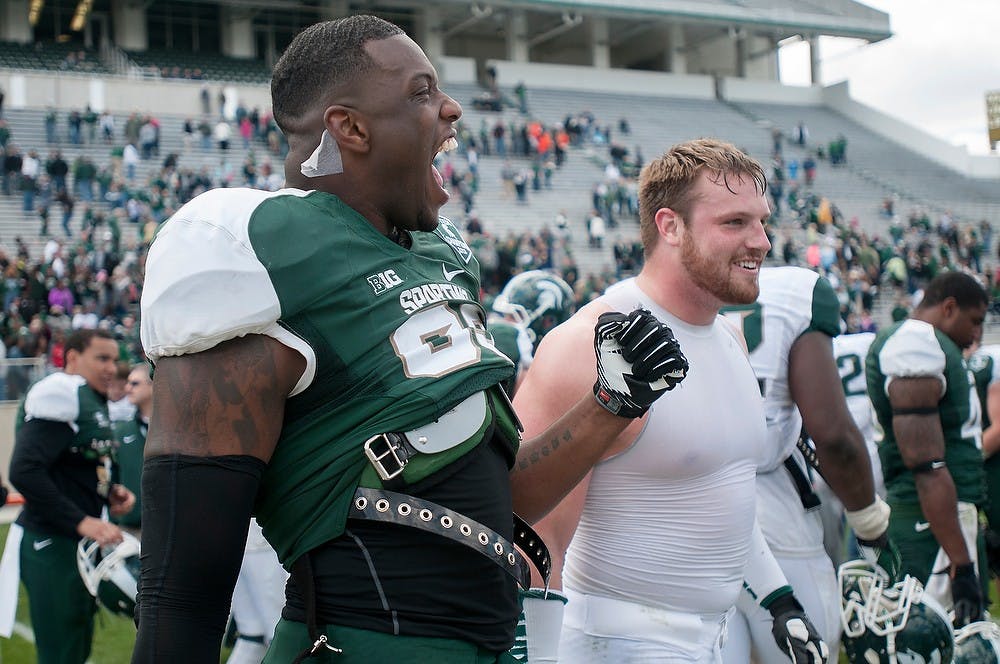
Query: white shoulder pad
55	397
993	351
204	284
913	351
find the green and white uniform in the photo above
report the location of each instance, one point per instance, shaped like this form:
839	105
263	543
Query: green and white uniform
513	341
394	340
131	437
910	349
62	464
792	302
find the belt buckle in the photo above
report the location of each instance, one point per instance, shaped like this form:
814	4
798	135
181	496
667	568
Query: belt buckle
389	458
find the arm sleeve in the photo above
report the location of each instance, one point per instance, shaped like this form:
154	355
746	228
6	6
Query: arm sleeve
39	443
195	517
762	577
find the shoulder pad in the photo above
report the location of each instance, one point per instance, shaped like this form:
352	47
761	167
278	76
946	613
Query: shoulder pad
912	351
204	283
55	397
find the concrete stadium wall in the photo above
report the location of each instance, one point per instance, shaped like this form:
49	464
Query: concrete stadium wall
8	411
767	92
625	81
119	94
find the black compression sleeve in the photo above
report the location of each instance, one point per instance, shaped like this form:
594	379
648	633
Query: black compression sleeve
195	514
39	444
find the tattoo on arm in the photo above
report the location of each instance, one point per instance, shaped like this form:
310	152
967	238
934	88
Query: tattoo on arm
226	400
545	448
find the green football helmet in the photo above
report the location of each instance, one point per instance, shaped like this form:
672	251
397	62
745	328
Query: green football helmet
978	643
111	572
891	624
537	301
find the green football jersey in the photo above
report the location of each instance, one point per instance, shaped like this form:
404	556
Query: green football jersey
394	338
83	472
131	437
913	348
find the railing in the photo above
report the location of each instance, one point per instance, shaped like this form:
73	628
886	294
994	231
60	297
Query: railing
119	62
17	374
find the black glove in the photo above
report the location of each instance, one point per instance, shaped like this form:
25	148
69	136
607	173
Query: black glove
794	634
966	595
638	359
883	555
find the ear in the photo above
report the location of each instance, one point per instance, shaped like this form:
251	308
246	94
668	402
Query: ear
670	226
347	128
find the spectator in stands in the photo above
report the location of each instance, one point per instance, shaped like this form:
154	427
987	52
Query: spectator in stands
90	119
4	134
66	201
12	163
84	172
147	138
597	228
188	134
107	122
50	126
221	134
61	296
130	159
74	124
206	100
809	166
801	133
43	199
57	169
499	140
30	168
222	104
1	102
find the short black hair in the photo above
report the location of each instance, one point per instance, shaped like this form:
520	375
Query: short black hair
965	288
80	340
320	58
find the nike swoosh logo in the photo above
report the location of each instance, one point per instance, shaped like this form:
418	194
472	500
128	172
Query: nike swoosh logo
449	275
128	439
921	526
41	544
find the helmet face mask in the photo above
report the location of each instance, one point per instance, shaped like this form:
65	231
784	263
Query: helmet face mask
978	643
111	573
890	623
536	301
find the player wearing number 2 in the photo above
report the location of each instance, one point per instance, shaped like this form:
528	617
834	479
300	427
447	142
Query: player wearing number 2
322	361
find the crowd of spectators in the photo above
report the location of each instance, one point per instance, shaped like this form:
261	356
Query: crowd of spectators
92	275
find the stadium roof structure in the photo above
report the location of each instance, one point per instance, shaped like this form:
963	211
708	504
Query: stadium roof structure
786	18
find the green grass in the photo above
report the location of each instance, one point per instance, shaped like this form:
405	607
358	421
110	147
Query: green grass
114	635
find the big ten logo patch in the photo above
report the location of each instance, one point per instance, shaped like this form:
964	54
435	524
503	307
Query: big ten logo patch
383	281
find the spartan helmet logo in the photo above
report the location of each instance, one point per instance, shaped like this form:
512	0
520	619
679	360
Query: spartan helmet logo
536	301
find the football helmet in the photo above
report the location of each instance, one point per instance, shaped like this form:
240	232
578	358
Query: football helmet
890	624
978	643
537	301
111	572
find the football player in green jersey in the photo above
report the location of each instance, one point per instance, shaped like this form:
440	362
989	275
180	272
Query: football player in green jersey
926	402
322	362
131	437
63	463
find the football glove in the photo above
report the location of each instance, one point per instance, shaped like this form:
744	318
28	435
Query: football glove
638	359
966	595
794	634
883	555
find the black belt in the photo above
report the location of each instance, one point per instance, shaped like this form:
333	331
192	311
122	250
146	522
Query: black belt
803	487
404	510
